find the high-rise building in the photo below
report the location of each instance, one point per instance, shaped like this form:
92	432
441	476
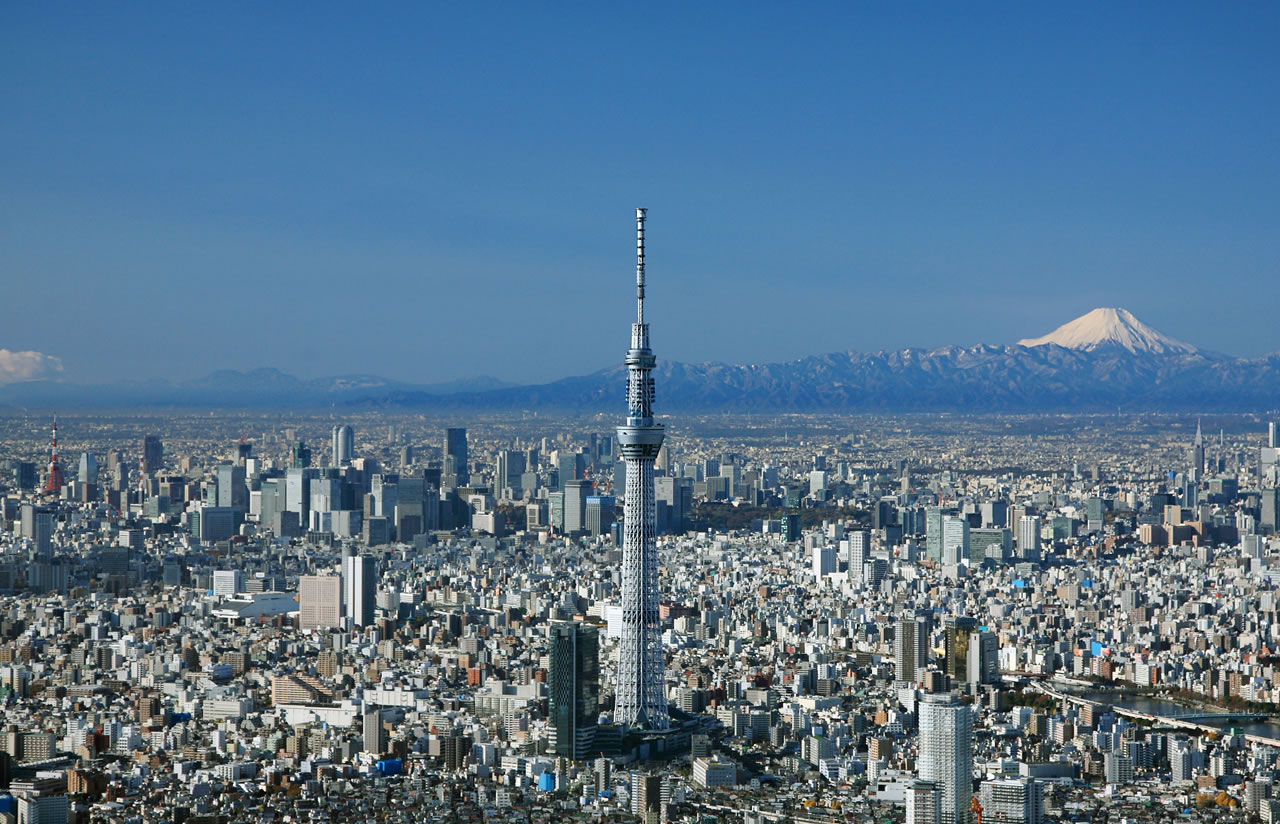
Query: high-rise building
152	454
88	473
37	525
344	445
301	457
575	505
859	547
640	699
911	647
946	753
955	540
319	601
375	735
359	588
455	447
1029	537
233	491
574	695
958	631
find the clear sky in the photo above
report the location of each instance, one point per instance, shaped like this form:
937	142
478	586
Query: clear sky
437	190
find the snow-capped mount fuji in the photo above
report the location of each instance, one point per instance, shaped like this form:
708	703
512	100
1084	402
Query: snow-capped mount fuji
1112	327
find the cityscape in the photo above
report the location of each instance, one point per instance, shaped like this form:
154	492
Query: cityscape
333	488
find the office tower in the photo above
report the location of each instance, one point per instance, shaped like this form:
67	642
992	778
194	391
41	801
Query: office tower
1195	455
375	735
37	525
344	445
600	513
53	484
575	506
1270	509
25	474
983	665
1271	435
933	533
574	695
319	601
455	447
152	454
232	489
88	473
946	753
957	634
640	699
359	588
1029	537
824	561
955	540
508	471
911	647
301	457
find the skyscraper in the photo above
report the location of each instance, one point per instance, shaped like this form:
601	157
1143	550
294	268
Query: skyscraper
359	588
574	696
946	753
640	700
958	632
319	601
344	445
911	647
152	454
455	447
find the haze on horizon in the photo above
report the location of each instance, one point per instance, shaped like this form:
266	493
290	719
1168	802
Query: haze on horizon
433	193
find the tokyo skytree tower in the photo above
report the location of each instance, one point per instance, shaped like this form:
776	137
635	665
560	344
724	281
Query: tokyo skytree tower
640	700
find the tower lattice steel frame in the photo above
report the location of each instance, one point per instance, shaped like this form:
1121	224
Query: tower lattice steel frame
640	700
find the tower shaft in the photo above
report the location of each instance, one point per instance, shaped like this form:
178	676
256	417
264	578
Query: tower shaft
640	699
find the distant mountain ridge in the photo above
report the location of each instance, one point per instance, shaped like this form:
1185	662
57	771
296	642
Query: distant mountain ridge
1103	361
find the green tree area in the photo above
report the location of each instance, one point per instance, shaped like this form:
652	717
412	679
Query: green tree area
1029	698
724	517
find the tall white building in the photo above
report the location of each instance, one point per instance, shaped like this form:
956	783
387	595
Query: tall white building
1029	537
859	544
955	539
359	588
946	753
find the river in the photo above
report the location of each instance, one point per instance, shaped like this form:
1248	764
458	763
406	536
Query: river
1160	706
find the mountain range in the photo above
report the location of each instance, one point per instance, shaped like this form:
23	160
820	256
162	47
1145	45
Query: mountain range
1102	361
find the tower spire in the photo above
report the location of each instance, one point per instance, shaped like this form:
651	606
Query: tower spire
54	484
640	697
640	215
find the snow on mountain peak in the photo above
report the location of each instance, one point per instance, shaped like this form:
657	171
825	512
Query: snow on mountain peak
1111	327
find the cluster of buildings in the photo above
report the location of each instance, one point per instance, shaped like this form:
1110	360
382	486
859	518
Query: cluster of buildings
790	623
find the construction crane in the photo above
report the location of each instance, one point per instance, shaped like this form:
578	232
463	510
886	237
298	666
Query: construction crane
976	809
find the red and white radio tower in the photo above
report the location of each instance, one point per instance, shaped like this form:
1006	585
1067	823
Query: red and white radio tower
54	485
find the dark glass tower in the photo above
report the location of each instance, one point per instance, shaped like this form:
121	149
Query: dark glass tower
574	700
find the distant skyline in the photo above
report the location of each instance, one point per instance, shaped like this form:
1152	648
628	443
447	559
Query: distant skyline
433	192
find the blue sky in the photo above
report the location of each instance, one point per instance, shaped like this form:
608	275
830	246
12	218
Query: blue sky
431	191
